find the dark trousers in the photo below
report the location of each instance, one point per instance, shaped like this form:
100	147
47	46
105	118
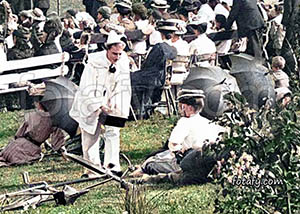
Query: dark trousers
254	46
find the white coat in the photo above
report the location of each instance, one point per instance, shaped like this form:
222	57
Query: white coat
99	87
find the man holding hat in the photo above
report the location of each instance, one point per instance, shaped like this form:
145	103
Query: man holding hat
191	132
104	89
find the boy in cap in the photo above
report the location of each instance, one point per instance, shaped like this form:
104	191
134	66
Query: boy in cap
184	137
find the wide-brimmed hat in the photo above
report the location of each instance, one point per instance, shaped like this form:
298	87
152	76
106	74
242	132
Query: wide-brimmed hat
184	95
37	14
166	25
124	3
191	5
161	4
200	25
114	38
180	25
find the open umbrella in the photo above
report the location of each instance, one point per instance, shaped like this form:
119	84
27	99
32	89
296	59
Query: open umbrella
253	80
58	100
215	82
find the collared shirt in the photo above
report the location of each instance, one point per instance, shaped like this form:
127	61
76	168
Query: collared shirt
193	132
99	87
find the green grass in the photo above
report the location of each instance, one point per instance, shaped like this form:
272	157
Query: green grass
137	140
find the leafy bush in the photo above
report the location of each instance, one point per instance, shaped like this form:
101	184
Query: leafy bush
264	147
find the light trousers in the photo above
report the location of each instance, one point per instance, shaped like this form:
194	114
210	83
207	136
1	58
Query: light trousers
90	147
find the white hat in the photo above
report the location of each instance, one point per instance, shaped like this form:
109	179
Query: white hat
114	38
180	24
282	92
124	3
160	4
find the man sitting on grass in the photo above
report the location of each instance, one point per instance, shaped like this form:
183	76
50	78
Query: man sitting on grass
189	136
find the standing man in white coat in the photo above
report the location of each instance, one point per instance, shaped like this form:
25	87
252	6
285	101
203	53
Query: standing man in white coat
104	89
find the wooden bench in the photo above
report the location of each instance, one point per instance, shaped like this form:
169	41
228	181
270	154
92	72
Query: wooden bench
31	74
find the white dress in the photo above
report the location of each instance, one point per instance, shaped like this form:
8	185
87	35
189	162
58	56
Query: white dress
202	45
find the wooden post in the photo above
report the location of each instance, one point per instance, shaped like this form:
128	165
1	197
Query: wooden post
58	7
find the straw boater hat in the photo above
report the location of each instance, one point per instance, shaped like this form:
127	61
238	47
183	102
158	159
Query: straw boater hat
186	95
180	25
190	5
124	3
161	4
200	25
166	25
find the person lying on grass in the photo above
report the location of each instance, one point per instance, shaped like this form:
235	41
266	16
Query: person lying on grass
188	137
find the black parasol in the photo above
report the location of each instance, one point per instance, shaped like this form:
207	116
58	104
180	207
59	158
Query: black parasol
253	80
58	100
215	82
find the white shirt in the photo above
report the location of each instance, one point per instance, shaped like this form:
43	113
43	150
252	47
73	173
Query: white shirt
140	46
155	37
182	47
220	9
193	132
99	87
202	45
206	13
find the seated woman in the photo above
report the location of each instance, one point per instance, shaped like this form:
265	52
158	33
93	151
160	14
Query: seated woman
25	147
192	132
202	49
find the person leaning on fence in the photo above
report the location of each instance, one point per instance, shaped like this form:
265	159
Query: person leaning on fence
104	88
191	132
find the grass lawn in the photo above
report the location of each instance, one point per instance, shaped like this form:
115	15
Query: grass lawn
137	140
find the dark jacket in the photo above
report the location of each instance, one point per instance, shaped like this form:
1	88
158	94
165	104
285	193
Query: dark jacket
42	4
291	8
247	16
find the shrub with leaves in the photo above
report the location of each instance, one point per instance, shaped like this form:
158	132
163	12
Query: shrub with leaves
261	172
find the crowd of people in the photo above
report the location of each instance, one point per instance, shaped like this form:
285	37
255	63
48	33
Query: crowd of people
120	41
